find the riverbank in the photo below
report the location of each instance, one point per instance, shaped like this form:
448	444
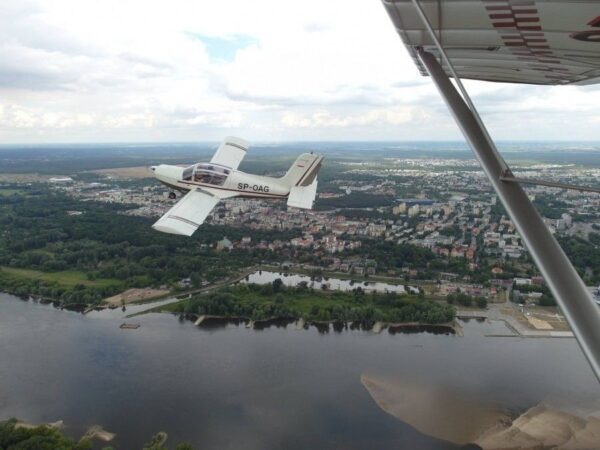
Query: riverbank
95	432
215	321
261	302
132	296
259	274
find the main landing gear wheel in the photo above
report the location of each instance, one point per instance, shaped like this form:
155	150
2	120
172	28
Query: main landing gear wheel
172	195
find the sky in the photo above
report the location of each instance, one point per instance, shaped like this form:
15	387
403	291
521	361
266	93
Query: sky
265	70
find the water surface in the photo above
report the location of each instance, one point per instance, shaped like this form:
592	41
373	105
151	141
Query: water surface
234	387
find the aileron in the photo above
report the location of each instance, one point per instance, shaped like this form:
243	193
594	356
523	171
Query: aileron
188	214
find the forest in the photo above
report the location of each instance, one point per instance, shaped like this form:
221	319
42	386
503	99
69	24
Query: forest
260	302
85	258
16	437
585	255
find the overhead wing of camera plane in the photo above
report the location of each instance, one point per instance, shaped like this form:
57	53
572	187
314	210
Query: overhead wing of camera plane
545	42
205	184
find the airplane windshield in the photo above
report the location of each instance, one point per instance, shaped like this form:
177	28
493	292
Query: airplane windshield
210	174
187	173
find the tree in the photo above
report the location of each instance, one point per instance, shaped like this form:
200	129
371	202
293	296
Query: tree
157	442
277	284
546	300
42	437
184	446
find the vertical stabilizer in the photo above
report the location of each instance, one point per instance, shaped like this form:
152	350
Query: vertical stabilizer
304	170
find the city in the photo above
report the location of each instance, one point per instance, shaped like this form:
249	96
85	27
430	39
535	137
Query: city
442	205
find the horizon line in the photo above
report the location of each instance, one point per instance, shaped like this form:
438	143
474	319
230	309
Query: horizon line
271	142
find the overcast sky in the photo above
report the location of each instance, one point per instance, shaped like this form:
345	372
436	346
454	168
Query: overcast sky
266	70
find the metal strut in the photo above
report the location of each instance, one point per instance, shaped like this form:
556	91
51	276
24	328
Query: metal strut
573	297
575	187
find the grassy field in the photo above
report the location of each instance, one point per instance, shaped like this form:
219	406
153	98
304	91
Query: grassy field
9	192
300	302
68	278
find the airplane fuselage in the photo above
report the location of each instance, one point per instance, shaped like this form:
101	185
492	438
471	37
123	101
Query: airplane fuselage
233	183
205	184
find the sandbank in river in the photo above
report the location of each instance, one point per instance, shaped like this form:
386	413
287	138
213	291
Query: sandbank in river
445	415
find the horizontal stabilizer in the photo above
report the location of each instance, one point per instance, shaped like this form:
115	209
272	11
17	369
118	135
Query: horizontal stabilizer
303	196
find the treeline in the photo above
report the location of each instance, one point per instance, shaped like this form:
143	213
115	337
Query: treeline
14	437
389	255
585	255
466	300
550	207
358	214
259	302
546	299
355	200
67	295
123	251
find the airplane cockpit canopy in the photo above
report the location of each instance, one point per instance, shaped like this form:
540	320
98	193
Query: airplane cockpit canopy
206	173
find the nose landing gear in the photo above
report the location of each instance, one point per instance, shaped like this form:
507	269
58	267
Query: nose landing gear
172	195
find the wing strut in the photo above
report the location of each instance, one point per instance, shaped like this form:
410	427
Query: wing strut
574	299
509	178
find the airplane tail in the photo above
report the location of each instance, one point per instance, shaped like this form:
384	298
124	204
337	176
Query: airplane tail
303	196
303	171
302	180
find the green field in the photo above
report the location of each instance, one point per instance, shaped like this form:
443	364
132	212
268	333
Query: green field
68	278
9	192
300	302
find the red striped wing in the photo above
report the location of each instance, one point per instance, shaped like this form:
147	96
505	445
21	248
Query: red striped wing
519	41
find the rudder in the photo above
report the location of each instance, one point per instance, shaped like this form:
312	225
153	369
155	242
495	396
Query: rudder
303	171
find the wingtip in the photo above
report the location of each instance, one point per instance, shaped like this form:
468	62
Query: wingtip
173	230
237	141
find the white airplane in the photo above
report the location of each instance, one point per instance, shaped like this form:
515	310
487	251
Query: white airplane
205	184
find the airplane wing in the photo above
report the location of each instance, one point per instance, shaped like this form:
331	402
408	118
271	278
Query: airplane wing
188	213
230	153
525	41
549	42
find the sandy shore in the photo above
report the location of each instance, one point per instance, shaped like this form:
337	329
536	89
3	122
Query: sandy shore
94	432
433	411
58	425
134	295
444	415
97	432
542	427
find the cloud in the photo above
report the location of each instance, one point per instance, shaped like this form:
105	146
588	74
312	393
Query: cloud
187	70
378	117
26	118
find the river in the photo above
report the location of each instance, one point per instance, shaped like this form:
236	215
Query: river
234	387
